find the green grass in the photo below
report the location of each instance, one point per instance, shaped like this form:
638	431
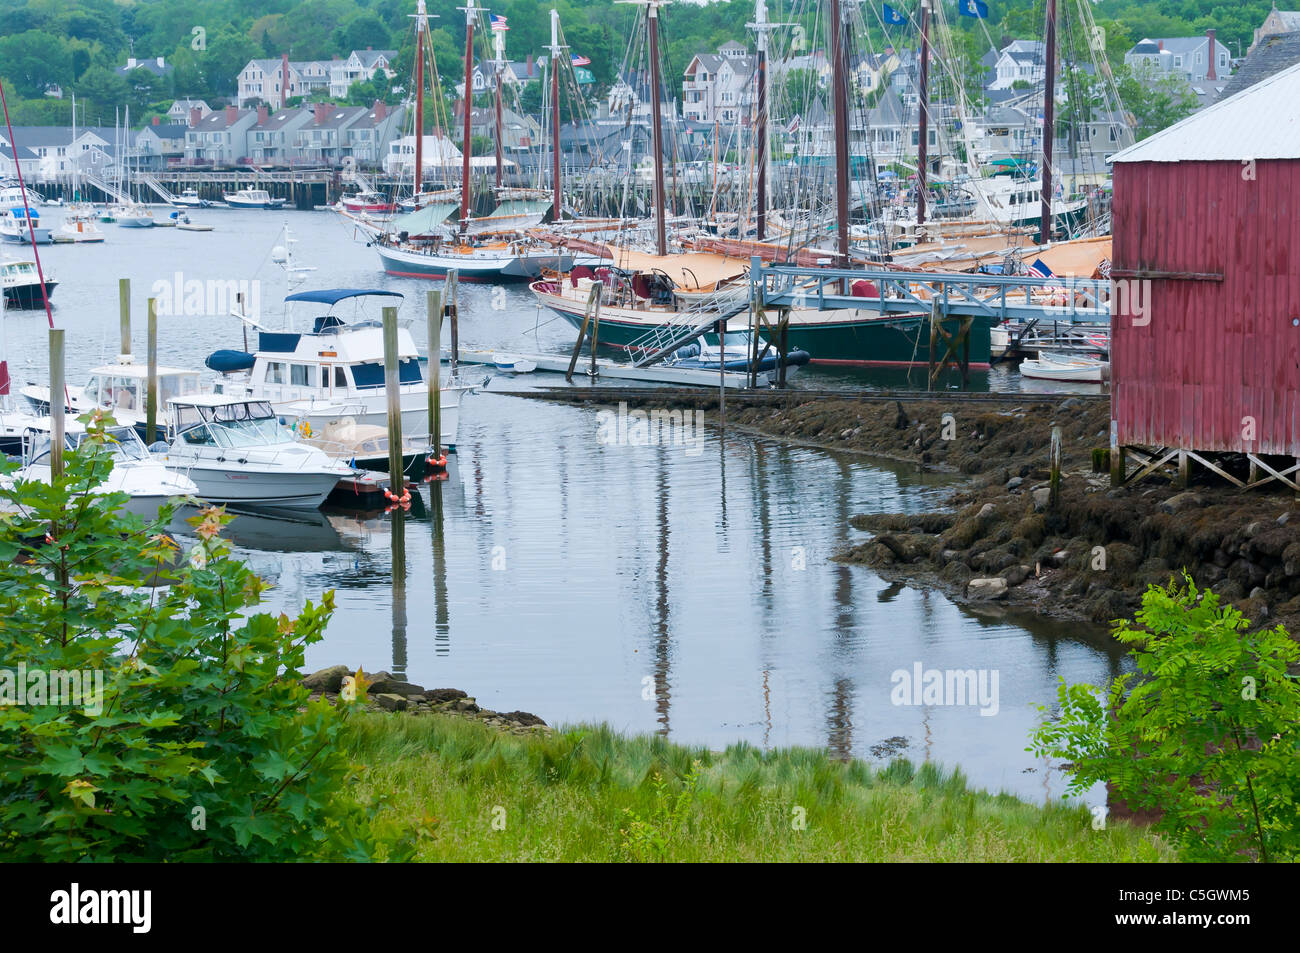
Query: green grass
590	794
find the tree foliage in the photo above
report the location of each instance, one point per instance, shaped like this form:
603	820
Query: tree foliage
202	745
1206	732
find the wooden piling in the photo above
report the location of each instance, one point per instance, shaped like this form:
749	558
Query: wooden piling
435	371
1116	456
151	398
595	328
1054	480
57	392
392	389
722	370
453	304
783	347
124	314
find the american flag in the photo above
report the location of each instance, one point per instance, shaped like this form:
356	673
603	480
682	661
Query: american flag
794	125
499	23
1039	270
579	60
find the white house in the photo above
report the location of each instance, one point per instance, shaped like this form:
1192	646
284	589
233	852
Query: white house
1020	61
719	87
1186	56
360	66
438	150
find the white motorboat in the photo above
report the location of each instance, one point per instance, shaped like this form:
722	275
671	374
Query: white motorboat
14	226
253	198
237	451
20	281
1050	366
80	225
335	373
133	215
190	199
122	390
135	472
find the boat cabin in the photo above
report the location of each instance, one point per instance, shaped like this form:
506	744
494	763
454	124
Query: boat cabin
124	386
18	272
226	422
334	360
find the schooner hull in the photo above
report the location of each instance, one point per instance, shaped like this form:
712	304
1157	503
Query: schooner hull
471	267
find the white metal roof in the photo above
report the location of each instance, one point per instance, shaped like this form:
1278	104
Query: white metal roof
1260	122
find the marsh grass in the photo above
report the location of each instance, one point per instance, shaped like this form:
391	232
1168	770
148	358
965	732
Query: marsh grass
590	794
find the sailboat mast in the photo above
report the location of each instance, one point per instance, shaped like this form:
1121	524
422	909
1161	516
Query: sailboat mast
1049	103
420	22
839	80
469	104
760	125
500	44
555	116
923	114
656	123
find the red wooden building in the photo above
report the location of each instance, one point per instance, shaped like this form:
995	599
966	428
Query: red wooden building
1205	347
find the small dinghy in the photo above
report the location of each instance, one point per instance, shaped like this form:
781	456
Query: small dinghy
1051	366
184	224
513	364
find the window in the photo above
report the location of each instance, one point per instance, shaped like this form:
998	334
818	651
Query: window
275	373
298	375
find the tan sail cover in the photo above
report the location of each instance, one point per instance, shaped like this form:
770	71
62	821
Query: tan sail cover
700	271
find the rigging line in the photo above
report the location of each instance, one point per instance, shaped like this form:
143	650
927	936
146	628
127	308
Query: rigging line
31	228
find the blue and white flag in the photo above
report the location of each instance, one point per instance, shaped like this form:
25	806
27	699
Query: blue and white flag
893	17
973	8
1039	270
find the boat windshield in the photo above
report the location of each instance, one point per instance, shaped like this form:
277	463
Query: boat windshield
261	431
123	443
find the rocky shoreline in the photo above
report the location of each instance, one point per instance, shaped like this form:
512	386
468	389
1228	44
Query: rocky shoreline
388	693
999	541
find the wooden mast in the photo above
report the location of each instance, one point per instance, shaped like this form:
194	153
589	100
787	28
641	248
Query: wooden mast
760	131
469	105
499	42
420	22
923	114
656	124
839	79
558	202
1049	102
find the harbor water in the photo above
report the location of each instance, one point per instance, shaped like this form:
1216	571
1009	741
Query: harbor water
686	589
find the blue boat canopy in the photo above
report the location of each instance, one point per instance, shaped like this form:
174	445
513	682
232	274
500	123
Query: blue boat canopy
333	296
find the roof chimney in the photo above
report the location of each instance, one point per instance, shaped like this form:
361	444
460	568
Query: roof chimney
1209	34
1160	45
162	62
284	79
262	114
322	111
369	48
232	114
157	120
196	114
530	65
381	111
130	62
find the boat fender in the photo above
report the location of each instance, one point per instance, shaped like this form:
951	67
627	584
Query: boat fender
404	499
438	463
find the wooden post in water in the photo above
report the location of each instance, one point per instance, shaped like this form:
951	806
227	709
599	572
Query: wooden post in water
722	370
56	403
934	336
1117	457
392	388
595	328
1054	480
453	302
435	372
783	347
151	399
124	314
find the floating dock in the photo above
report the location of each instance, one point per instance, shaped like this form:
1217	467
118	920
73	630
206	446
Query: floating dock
612	370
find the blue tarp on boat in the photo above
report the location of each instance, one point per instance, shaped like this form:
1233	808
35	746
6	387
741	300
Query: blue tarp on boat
333	296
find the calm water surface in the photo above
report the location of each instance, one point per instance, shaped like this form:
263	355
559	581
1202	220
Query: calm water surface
644	586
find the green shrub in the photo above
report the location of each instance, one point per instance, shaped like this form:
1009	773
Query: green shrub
1206	734
203	746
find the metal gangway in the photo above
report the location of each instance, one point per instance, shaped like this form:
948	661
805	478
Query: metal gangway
703	316
148	178
995	298
111	191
